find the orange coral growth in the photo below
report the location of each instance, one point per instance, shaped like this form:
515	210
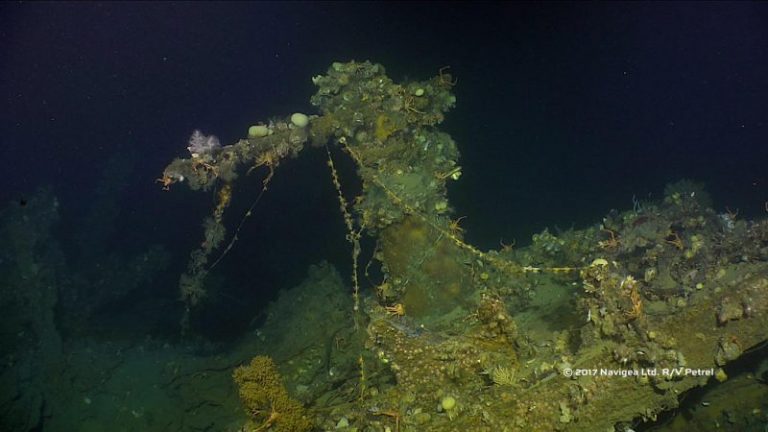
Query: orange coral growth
629	284
225	197
266	400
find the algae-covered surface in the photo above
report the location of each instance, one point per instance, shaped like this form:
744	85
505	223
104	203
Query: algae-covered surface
597	329
602	328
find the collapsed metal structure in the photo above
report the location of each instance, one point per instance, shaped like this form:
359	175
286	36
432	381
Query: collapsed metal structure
654	302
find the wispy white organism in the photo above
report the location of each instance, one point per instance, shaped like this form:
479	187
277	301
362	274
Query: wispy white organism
200	144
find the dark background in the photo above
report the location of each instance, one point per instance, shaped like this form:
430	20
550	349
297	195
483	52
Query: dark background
564	111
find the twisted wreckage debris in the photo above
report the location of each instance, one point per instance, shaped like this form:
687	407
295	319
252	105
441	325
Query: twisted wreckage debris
658	299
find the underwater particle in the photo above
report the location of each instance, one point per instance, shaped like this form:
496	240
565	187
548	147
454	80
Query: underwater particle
419	92
299	120
258	131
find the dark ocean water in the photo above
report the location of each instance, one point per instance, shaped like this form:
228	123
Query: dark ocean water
564	112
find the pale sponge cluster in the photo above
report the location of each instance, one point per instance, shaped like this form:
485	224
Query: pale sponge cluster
298	120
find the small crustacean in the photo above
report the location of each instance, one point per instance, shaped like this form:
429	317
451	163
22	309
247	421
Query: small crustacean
454	228
397	310
444	79
168	179
612	243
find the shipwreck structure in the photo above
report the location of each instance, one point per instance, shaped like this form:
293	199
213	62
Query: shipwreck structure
629	314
